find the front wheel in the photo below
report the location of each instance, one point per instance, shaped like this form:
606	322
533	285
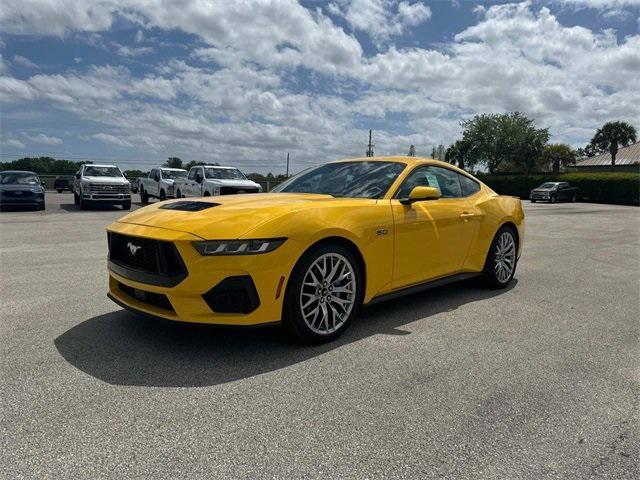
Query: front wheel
83	204
533	201
76	199
163	196
501	261
126	206
323	295
552	199
144	197
59	190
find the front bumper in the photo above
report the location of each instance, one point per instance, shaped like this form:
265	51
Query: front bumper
188	301
31	201
543	197
107	197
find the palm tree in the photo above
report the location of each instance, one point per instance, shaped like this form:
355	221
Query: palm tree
556	155
613	135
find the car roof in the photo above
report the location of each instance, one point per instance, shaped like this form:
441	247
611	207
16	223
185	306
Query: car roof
217	166
409	161
98	165
19	171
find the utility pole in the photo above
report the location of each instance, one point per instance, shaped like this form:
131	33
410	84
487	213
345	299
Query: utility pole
369	152
287	165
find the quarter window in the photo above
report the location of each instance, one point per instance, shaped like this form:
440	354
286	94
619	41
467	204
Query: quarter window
192	174
469	187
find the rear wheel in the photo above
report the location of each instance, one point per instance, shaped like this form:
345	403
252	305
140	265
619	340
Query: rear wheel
178	194
501	261
324	294
574	198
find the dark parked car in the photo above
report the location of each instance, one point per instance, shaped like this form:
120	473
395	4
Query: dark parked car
553	192
63	183
21	189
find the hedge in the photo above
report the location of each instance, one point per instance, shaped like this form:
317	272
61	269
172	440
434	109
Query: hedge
617	188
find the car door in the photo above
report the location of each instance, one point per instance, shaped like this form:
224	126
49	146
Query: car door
432	237
190	182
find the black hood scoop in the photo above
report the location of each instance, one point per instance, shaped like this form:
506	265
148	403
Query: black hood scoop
189	206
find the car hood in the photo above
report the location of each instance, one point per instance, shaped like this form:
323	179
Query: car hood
233	183
107	180
544	189
231	216
12	187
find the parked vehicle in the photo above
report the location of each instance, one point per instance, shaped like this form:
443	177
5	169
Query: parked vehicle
135	184
20	188
205	180
159	183
61	184
553	192
101	185
314	250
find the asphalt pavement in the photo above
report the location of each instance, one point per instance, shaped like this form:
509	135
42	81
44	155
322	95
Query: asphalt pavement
537	381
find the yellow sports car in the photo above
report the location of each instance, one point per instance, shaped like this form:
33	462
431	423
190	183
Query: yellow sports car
310	253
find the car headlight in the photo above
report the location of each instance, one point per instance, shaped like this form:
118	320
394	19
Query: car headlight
86	187
238	247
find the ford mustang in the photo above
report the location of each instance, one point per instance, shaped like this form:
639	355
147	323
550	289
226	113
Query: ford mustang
317	248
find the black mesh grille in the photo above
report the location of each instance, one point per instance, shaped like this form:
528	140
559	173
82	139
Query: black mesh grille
146	260
232	190
151	298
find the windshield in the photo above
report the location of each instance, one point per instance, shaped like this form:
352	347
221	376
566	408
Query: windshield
19	178
224	173
174	174
548	185
346	179
102	172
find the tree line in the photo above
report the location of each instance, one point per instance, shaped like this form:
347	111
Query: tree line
510	142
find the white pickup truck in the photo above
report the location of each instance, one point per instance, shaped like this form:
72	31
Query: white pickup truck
101	184
205	180
160	183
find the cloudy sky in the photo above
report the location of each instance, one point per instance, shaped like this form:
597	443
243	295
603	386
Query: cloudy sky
243	82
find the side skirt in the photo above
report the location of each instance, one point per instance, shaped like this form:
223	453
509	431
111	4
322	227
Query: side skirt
422	286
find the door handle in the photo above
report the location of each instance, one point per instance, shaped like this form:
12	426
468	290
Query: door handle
466	215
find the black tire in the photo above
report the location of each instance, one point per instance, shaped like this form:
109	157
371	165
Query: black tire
76	199
292	317
553	199
126	206
533	201
178	194
163	196
144	196
84	204
41	207
491	274
206	194
574	198
59	191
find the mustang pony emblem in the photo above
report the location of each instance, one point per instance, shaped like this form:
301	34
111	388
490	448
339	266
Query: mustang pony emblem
133	248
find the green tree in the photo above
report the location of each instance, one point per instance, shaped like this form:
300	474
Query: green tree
509	139
457	154
173	162
613	135
134	173
42	165
588	151
439	152
556	155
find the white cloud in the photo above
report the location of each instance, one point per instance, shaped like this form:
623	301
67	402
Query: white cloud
111	139
43	139
24	62
381	19
12	142
599	4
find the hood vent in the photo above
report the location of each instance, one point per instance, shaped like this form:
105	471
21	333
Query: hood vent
189	206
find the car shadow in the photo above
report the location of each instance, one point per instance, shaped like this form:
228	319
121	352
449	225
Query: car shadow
121	348
71	207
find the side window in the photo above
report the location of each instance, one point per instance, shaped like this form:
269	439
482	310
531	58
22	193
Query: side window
469	187
192	174
443	179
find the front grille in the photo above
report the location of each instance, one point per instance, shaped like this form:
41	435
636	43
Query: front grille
233	190
18	193
151	298
146	260
103	188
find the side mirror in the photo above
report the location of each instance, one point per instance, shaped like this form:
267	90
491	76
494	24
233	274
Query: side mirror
78	176
157	178
419	194
198	178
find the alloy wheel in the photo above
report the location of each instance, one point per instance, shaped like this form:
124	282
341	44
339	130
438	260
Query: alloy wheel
505	257
328	293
